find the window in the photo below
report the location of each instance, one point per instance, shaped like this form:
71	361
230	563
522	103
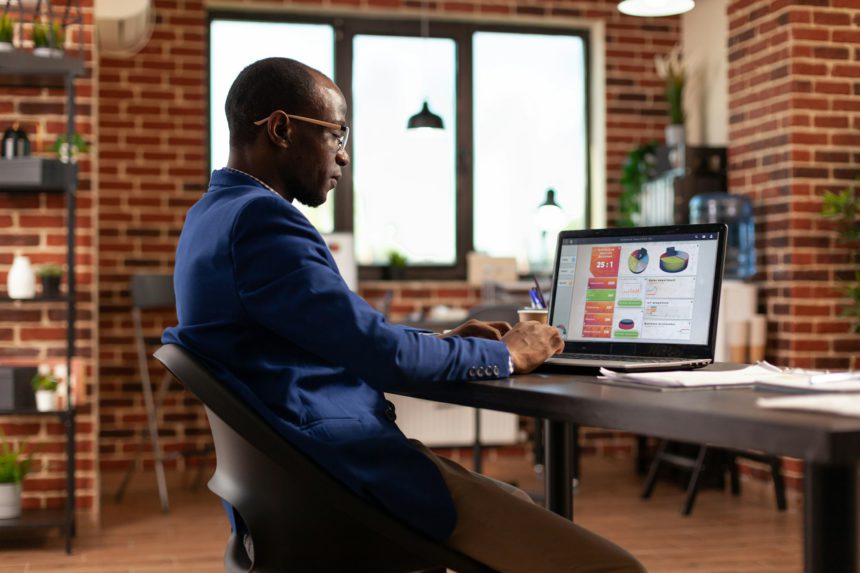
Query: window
514	104
233	45
398	172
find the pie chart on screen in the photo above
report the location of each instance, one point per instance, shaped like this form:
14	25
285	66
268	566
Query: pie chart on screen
638	261
674	261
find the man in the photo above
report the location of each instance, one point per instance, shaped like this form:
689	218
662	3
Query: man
260	300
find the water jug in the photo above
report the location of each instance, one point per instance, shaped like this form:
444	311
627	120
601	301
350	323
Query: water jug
737	212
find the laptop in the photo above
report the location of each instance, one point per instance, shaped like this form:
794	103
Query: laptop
638	299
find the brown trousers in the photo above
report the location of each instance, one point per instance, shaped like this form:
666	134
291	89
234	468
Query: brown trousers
498	525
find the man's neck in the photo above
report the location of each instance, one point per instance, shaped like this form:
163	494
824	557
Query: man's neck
265	175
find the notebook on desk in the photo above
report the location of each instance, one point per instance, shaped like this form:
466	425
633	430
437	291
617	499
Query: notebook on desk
644	298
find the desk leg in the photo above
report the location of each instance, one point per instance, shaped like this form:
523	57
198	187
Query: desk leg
558	462
830	519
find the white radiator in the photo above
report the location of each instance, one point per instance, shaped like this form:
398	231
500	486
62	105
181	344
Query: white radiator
438	424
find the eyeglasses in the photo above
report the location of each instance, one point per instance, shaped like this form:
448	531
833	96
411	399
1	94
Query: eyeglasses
344	129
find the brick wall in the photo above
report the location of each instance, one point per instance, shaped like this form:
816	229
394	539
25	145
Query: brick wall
152	138
794	82
35	332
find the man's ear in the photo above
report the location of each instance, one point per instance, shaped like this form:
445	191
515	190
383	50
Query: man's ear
280	133
283	132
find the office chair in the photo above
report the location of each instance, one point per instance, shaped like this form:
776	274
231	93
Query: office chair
697	464
152	292
299	517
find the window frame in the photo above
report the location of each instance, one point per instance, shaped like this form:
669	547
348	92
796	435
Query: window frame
345	29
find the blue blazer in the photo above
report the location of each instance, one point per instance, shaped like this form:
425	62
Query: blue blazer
260	300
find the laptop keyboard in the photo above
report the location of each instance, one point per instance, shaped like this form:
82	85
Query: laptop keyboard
611	358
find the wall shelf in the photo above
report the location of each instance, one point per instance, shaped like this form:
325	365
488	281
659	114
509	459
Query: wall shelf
41	175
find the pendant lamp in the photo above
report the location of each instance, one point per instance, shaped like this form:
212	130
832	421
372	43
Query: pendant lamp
655	8
425	118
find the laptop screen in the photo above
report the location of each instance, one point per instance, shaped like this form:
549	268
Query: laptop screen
631	288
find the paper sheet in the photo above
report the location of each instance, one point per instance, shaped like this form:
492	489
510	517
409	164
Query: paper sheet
694	378
763	376
840	404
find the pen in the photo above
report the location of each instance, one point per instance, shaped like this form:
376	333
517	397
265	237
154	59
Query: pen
535	300
541	299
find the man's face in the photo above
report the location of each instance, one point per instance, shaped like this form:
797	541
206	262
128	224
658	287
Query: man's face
314	164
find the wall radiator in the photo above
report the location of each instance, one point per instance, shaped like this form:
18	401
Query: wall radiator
445	425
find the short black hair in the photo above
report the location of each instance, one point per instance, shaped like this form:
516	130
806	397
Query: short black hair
263	87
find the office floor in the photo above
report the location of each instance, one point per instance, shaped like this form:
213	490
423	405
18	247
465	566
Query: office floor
724	534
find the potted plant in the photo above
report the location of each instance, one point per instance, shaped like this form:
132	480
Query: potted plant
48	39
844	208
638	168
51	274
396	266
7	33
61	148
45	386
671	70
15	463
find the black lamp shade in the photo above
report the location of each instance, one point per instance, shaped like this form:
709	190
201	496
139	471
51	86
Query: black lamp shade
550	199
425	118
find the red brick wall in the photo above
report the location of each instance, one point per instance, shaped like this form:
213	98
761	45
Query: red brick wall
794	82
152	136
34	332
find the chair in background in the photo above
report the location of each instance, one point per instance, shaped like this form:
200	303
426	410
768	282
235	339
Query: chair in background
720	458
300	518
152	292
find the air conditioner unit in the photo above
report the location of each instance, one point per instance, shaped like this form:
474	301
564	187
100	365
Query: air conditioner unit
123	27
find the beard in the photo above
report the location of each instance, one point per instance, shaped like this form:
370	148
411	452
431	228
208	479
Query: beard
311	199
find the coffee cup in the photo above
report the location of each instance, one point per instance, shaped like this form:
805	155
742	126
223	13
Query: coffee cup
538	314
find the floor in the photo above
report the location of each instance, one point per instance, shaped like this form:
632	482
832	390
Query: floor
724	534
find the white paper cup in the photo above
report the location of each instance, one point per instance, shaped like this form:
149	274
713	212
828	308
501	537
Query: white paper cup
538	314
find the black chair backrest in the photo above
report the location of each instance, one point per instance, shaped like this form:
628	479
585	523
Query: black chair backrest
152	291
491	312
299	517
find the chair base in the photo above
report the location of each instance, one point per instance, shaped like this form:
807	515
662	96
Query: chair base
698	464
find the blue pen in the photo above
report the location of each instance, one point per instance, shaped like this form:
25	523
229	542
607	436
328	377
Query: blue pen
535	300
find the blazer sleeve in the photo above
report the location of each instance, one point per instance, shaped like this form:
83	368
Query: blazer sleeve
287	282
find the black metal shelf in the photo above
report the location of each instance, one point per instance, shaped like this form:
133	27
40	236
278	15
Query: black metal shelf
23	69
61	413
36	518
6	299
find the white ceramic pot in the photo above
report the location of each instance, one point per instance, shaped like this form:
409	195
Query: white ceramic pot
675	135
21	280
10	500
46	400
48	52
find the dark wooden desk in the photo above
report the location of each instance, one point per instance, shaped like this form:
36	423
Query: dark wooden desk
829	445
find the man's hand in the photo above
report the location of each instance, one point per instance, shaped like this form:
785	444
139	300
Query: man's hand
530	343
478	328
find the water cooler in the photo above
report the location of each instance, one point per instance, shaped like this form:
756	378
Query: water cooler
741	333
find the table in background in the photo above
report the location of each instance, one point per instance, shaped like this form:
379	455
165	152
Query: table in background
830	446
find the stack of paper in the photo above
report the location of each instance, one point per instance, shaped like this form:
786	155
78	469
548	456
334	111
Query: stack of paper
840	404
691	378
762	376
